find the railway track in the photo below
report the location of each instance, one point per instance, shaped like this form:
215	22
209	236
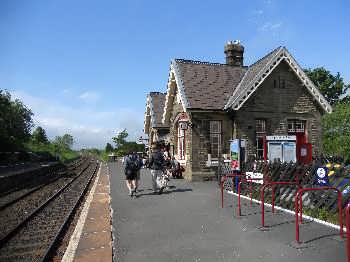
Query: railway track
34	233
30	179
15	195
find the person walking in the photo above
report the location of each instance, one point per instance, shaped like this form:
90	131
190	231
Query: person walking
139	166
130	169
156	164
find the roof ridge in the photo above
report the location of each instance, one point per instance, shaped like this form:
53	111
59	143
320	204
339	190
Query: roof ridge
189	61
257	61
156	93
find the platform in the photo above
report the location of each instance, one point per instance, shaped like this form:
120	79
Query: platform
187	223
92	238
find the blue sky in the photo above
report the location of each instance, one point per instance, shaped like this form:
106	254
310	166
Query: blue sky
85	67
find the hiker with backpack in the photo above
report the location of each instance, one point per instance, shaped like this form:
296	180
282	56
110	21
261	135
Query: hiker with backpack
132	166
157	165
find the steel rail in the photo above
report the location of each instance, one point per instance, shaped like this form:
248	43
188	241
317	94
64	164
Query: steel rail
49	251
250	180
347	217
298	203
223	179
262	196
34	189
10	234
75	165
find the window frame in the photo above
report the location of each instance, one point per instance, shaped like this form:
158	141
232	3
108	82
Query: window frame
260	134
181	143
293	124
215	134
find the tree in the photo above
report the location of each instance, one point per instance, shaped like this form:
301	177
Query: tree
332	87
336	131
109	147
63	143
119	140
68	140
133	147
39	136
15	123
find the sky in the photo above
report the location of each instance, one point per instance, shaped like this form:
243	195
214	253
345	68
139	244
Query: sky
85	67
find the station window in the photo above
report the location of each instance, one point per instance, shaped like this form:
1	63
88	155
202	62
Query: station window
215	138
296	126
181	143
260	133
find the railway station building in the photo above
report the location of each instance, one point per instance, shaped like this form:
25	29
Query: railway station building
207	105
153	125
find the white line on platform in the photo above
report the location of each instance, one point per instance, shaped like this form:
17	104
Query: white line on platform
74	240
310	218
111	214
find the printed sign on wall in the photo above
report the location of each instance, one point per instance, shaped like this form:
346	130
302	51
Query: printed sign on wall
234	154
322	176
255	175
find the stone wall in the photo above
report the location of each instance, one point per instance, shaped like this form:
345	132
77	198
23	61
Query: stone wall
177	109
276	104
201	141
198	140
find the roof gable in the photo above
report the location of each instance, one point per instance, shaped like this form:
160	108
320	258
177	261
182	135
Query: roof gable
174	86
154	110
147	121
260	70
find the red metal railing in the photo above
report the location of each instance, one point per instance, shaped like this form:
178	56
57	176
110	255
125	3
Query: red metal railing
298	203
262	196
250	180
223	179
347	217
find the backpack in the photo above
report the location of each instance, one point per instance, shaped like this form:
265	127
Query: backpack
133	163
158	160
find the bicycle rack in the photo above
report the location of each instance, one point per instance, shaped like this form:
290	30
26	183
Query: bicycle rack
347	217
223	179
299	207
262	197
250	180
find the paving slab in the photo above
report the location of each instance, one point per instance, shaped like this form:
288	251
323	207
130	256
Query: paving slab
95	243
187	223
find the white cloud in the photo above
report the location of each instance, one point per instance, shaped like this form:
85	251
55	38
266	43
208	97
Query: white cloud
66	91
89	97
270	27
258	12
89	127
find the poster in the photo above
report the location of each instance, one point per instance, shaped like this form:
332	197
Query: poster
234	154
284	151
289	152
275	151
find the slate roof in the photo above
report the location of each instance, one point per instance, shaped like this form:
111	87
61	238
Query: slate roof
157	102
252	71
208	85
215	86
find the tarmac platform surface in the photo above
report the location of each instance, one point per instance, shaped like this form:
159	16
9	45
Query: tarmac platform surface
187	223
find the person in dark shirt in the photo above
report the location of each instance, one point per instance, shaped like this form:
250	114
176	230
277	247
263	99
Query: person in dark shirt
157	165
131	166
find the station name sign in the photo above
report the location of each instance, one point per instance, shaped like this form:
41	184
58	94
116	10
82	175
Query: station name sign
279	138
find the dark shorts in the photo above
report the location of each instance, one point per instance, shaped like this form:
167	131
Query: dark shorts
130	175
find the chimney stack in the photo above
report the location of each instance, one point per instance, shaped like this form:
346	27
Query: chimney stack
234	53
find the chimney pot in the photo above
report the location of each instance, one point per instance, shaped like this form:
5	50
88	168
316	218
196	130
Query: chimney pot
234	53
